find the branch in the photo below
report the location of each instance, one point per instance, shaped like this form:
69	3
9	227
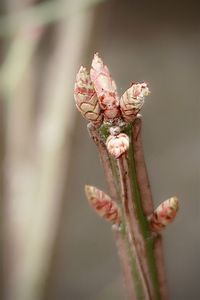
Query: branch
140	166
116	130
41	15
132	222
125	263
147	202
105	160
119	239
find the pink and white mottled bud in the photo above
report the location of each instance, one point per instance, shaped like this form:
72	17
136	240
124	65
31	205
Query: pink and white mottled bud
132	100
105	88
86	98
118	144
103	204
164	214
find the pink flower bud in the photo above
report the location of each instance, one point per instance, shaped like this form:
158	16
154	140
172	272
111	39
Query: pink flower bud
164	214
105	88
118	144
103	204
86	98
132	101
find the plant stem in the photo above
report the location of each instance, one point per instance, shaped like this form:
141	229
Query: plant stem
125	263
140	251
105	160
132	222
142	202
159	254
120	238
147	204
140	167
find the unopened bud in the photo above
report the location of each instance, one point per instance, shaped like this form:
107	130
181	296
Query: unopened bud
117	145
164	214
103	204
86	98
132	100
105	88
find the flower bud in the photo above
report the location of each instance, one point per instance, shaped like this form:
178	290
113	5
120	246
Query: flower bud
103	204
164	214
86	98
132	101
117	144
105	88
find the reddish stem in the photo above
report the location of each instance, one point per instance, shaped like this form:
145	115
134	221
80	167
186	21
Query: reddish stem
141	170
125	263
147	202
105	160
133	225
120	241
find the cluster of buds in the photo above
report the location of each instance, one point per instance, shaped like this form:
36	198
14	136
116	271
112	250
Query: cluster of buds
103	204
164	214
97	99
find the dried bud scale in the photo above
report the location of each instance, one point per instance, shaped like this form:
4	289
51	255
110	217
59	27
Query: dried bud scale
132	101
164	214
117	144
103	204
86	98
105	88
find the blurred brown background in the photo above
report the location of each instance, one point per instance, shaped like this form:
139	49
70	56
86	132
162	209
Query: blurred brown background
53	245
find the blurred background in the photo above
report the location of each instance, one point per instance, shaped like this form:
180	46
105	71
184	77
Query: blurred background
53	245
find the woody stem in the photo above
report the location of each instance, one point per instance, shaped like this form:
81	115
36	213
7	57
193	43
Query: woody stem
140	252
148	246
131	270
144	190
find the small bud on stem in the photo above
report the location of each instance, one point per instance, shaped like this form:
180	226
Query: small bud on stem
164	214
103	204
117	145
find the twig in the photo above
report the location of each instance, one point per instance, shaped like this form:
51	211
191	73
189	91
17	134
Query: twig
125	263
147	202
18	83
120	240
140	166
41	15
133	225
43	202
2	199
18	59
159	254
105	160
119	135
